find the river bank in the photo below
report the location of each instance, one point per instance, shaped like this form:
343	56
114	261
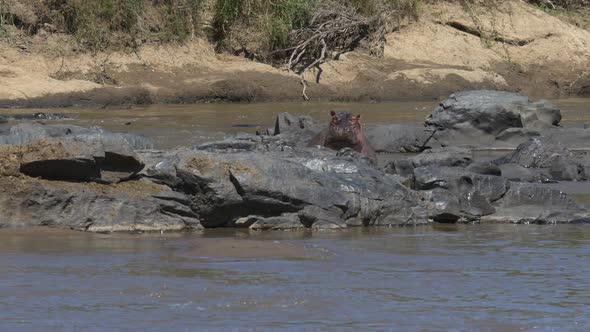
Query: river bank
523	49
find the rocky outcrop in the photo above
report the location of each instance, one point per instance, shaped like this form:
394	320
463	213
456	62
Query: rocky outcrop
72	153
90	179
545	161
474	116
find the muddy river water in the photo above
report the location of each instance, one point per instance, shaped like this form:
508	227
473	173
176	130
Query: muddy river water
430	278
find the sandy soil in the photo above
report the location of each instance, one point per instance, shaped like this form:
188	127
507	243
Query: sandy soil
512	47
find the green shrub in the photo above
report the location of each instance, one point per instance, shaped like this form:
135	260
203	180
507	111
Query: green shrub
182	19
270	20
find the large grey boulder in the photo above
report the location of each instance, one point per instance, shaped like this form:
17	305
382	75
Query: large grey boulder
573	138
449	157
318	186
480	115
536	203
548	159
71	153
460	181
400	138
100	208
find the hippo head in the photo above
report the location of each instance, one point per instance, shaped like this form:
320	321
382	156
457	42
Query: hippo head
344	130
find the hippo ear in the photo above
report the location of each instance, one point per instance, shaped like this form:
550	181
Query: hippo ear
358	117
332	113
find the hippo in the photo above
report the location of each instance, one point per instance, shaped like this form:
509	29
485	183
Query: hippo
345	131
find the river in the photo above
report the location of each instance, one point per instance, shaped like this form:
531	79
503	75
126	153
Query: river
435	278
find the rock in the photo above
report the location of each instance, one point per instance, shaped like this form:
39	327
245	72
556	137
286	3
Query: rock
3	119
460	182
571	137
450	156
436	157
286	221
536	203
565	168
287	123
513	137
315	184
488	113
229	144
39	116
443	206
515	172
27	132
493	111
484	168
265	187
137	207
79	160
400	138
402	167
447	207
62	169
536	153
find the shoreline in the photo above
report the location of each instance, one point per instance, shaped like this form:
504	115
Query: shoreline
429	60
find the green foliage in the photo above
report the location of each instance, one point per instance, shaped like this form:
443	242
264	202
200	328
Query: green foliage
274	19
119	24
182	19
1	16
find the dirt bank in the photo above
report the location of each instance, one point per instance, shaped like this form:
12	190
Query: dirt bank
514	47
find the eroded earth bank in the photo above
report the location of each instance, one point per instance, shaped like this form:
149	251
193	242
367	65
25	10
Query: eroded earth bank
89	179
516	47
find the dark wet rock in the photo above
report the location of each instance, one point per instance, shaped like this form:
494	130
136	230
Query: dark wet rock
516	172
286	221
571	137
81	208
466	114
565	168
39	116
74	169
3	119
315	184
287	123
451	157
460	181
536	203
402	167
24	133
493	111
349	154
447	207
71	153
230	145
268	186
442	205
400	138
581	221
536	153
513	137
484	168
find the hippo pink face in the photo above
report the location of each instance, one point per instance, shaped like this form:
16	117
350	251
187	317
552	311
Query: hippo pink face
344	130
